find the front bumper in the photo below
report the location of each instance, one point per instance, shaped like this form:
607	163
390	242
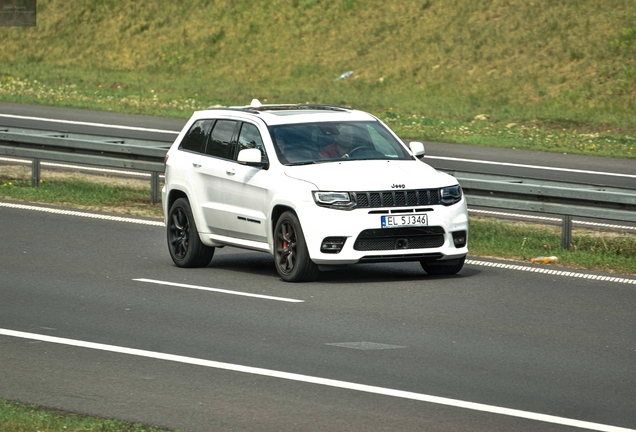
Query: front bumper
356	235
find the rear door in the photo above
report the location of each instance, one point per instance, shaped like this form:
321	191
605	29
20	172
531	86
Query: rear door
211	172
186	170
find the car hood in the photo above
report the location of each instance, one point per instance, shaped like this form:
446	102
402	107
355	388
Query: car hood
371	175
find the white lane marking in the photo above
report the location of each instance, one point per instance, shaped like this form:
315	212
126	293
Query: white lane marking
552	219
104	125
320	381
238	293
551	271
532	166
82	214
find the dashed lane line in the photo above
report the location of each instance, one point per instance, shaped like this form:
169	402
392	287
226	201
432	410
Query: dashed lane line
551	271
218	290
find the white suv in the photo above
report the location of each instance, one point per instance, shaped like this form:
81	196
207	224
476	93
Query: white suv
316	186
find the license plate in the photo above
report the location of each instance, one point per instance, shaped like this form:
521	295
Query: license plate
404	220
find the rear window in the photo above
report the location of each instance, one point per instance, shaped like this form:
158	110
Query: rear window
194	140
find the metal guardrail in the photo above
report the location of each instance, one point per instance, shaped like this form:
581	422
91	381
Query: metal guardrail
565	199
109	152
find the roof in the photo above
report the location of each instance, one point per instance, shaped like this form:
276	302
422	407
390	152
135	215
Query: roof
273	114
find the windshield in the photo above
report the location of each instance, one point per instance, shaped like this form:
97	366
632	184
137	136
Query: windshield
307	143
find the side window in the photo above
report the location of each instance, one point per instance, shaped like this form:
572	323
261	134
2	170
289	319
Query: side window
194	140
250	138
220	142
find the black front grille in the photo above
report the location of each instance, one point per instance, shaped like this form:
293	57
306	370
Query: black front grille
396	198
400	238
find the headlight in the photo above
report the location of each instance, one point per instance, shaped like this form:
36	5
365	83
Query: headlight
341	200
451	195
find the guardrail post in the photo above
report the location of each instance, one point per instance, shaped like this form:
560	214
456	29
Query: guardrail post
35	172
566	235
154	187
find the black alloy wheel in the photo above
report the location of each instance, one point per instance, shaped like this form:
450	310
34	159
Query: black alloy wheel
184	244
290	251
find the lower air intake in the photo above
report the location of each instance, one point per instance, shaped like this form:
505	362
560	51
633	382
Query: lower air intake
400	239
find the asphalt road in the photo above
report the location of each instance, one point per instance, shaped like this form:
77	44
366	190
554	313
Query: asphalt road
369	348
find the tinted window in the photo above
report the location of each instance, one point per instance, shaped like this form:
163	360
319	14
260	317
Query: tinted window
220	142
194	140
250	138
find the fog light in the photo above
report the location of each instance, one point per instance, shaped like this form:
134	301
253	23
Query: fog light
459	238
332	245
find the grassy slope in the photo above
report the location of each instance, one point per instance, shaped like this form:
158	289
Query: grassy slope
560	60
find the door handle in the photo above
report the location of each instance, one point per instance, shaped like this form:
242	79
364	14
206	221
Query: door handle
230	172
196	165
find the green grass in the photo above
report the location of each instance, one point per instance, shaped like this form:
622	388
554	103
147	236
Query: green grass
17	417
554	76
132	197
591	250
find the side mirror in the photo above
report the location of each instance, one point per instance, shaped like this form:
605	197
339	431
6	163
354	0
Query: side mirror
418	149
252	157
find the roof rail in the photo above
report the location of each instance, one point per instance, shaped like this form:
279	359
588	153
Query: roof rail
282	107
242	109
324	107
256	106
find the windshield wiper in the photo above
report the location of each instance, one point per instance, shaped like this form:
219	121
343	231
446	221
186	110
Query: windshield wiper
310	162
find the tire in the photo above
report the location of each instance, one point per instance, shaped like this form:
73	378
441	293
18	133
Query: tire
291	257
441	268
184	244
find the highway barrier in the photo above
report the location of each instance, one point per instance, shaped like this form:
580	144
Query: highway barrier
564	199
109	152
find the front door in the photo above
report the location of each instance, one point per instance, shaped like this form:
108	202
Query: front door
245	191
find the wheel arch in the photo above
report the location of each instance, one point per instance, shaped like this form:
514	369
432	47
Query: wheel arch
174	195
277	211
